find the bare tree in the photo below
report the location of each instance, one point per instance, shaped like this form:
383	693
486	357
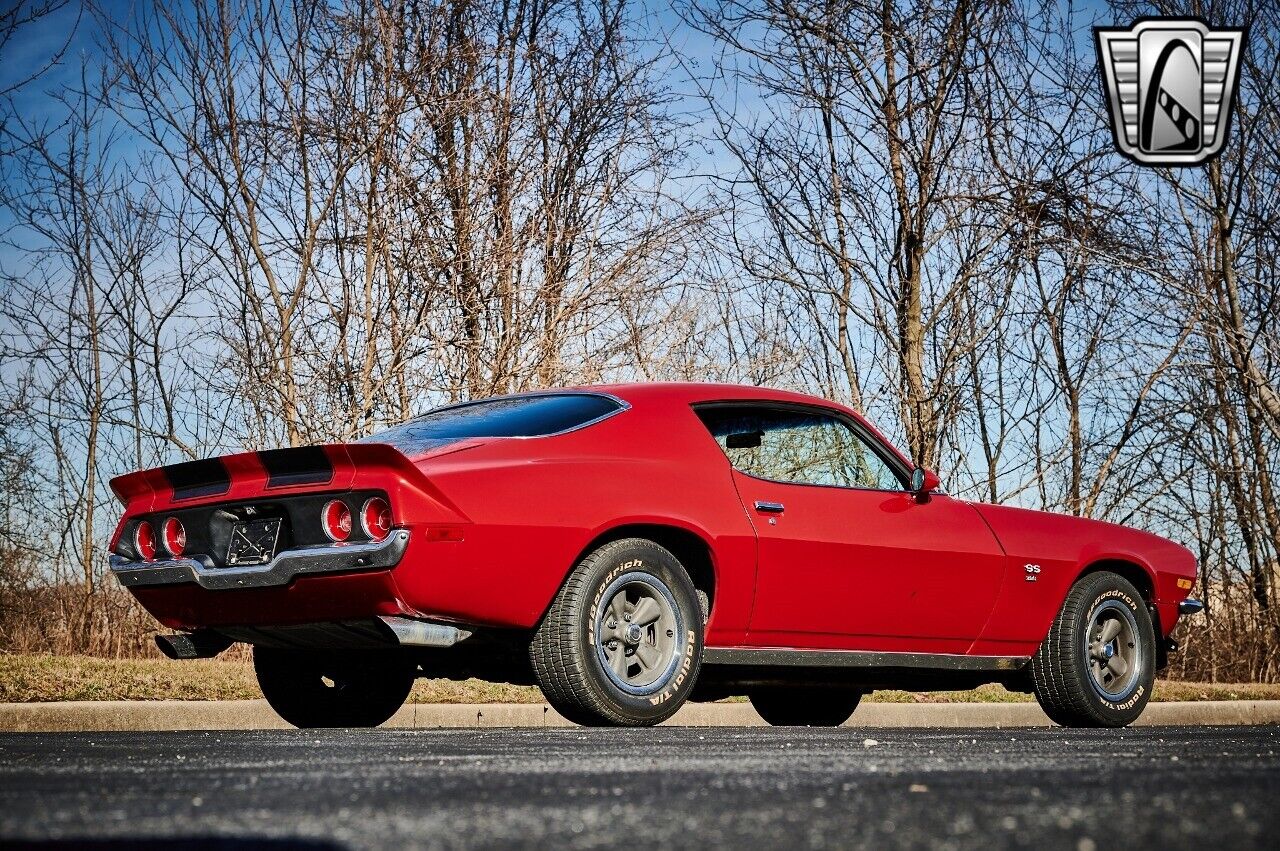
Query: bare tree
872	196
255	222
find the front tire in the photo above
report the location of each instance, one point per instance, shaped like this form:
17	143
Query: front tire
326	688
622	642
805	707
1097	666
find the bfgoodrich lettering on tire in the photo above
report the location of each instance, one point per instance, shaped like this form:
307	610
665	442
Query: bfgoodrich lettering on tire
622	641
1097	665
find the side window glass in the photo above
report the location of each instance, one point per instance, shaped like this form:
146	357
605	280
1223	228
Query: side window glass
797	446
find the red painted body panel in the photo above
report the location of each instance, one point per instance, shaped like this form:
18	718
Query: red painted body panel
870	570
537	504
1065	547
847	569
309	599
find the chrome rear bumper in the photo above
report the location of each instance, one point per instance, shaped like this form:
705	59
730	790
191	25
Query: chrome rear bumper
305	561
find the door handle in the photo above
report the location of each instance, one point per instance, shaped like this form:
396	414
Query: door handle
770	507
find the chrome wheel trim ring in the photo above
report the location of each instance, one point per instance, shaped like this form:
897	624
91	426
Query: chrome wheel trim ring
664	634
1112	634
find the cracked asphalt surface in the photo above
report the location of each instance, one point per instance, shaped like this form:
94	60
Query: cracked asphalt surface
629	789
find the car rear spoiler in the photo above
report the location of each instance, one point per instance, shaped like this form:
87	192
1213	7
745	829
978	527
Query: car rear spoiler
254	475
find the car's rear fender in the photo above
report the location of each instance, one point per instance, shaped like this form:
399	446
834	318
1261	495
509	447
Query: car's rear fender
538	505
720	565
686	542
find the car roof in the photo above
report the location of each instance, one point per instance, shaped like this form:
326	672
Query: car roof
692	392
671	393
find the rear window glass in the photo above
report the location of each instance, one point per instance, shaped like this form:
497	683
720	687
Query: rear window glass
509	416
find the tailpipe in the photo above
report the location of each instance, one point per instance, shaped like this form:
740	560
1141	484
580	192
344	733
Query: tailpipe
202	644
412	633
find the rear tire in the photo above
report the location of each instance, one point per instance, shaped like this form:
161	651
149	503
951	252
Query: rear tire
805	707
622	641
326	688
1098	663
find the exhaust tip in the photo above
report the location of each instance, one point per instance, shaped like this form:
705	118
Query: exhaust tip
176	646
416	633
192	645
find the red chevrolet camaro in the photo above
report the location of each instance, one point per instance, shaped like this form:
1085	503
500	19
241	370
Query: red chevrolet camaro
630	547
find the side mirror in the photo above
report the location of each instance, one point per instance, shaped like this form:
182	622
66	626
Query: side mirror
744	440
923	481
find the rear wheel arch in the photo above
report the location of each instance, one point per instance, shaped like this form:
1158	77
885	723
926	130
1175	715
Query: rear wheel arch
690	548
581	651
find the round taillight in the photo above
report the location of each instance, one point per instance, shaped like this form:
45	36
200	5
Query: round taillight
375	517
336	519
174	535
144	540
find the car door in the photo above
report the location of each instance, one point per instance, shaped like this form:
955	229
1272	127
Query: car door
848	558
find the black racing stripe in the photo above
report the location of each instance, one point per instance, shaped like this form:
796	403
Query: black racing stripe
304	465
191	479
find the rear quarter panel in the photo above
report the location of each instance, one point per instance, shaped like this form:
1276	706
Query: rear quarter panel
1064	547
535	505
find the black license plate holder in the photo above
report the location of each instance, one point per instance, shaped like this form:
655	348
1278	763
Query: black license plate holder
253	542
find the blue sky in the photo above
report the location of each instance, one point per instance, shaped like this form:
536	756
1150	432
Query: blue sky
38	43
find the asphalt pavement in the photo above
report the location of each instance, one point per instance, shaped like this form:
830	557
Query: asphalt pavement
627	790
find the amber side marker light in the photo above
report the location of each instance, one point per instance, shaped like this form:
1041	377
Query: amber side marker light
444	533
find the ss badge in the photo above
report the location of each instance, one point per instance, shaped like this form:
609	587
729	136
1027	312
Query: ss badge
1033	570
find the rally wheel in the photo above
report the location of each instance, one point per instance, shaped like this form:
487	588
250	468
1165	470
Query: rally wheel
324	688
1096	668
622	641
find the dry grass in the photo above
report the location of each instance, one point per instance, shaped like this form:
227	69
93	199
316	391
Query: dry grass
472	691
37	678
63	620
